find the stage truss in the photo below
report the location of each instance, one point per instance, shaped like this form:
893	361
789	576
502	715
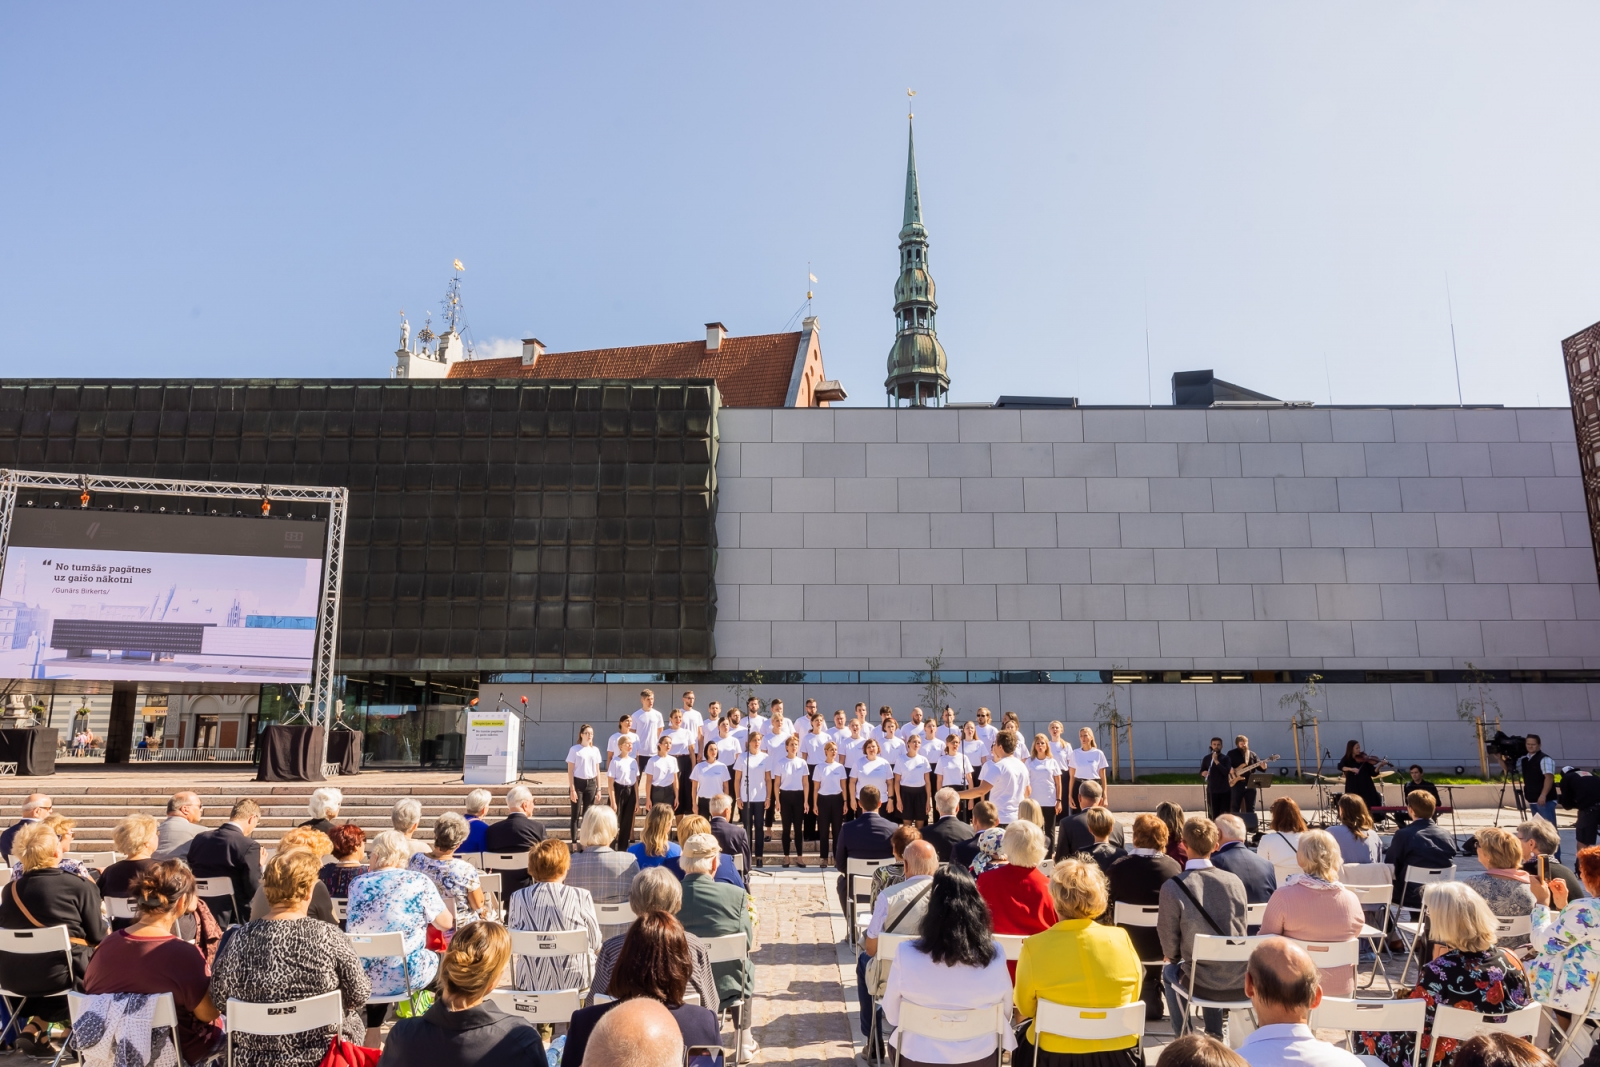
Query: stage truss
318	707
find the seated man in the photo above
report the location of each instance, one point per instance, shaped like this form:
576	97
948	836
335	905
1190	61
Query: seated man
1235	857
866	837
946	831
1420	843
1281	982
1200	886
899	910
732	838
228	852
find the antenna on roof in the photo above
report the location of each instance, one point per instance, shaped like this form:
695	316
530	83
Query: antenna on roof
1449	304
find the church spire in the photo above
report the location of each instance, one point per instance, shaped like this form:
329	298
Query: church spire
918	371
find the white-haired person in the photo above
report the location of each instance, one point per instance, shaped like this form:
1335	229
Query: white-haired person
715	909
477	812
1468	970
1313	906
135	841
390	898
549	905
656	889
598	867
517	832
324	808
1017	892
457	879
405	817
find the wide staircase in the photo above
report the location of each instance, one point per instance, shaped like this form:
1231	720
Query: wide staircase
96	805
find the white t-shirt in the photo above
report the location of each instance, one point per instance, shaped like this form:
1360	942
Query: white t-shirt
977	752
812	748
1009	781
709	731
792	773
710	778
874	772
1087	765
740	734
692	721
913	771
611	744
680	740
727	750
1060	751
648	726
584	761
829	778
753	782
773	737
1042	774
662	771
942	731
623	771
892	749
954	770
802	728
911	728
850	748
987	732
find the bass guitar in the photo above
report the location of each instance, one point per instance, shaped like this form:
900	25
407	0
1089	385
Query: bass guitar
1239	774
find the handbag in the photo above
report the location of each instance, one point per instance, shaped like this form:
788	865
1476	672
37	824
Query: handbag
345	1053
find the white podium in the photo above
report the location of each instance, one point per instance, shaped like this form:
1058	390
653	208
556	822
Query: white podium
494	748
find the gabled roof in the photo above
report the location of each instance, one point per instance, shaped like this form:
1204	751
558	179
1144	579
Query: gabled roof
751	372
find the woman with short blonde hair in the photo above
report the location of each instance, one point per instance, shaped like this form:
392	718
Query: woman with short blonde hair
135	838
1504	885
1313	906
313	844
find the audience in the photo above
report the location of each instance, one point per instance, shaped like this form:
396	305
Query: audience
1468	970
287	955
894	873
1079	962
228	852
638	1033
34	808
406	816
1538	838
1235	857
549	905
517	832
598	867
1419	843
460	1029
1199	1050
64	827
653	964
392	898
135	840
148	957
1280	845
302	839
657	890
1566	936
1073	834
477	805
349	843
1503	884
1136	879
1500	1050
688	826
1017	892
866	837
954	965
323	808
180	827
655	845
457	880
1281	982
732	838
713	909
899	910
1313	906
1200	886
947	830
1172	815
1358	841
1100	823
985	820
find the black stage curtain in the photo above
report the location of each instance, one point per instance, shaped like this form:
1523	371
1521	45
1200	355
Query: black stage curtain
289	754
33	749
344	748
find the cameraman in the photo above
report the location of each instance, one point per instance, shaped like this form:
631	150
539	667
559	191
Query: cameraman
1538	781
1580	790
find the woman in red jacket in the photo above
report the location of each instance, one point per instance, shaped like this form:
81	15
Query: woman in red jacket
1017	892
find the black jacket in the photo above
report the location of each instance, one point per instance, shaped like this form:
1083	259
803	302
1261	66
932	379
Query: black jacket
10	836
1137	880
515	833
1259	878
54	898
866	837
962	853
483	1036
733	840
1422	843
944	834
227	853
320	824
1073	836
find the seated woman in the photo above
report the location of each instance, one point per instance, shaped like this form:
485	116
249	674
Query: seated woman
891	874
287	955
1280	845
46	895
1079	962
655	845
149	957
657	890
597	865
1504	885
1172	817
1566	936
457	879
654	962
1468	970
1017	892
349	843
953	965
64	829
302	839
389	898
1137	879
688	826
1358	841
135	838
459	1029
1313	906
548	905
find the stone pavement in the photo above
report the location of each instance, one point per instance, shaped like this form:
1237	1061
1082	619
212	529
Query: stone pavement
800	1015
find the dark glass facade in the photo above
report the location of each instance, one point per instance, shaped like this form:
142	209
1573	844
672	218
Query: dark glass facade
494	524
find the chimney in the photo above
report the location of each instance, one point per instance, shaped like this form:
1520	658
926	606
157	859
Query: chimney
532	349
715	332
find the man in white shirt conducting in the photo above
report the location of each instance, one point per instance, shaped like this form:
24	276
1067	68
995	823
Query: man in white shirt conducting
1004	776
1281	982
898	910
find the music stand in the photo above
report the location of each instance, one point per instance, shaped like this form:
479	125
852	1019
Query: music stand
1258	781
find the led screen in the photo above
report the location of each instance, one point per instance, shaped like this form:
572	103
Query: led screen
196	598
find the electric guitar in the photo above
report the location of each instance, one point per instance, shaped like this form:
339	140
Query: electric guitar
1239	774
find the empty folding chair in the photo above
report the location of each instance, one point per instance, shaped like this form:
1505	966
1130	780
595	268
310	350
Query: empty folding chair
323	1012
545	1006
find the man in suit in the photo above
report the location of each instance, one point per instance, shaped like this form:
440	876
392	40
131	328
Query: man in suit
866	837
517	832
1137	879
733	839
36	807
985	816
228	852
180	827
713	909
947	831
1074	835
1235	857
1420	843
1221	896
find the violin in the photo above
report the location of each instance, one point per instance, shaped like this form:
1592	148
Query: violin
1370	760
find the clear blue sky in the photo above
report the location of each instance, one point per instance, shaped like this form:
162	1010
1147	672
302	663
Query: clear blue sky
1279	190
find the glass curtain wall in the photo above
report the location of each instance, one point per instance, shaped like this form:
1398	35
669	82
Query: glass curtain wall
410	722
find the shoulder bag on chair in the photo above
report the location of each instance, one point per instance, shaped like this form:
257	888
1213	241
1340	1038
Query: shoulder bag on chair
878	969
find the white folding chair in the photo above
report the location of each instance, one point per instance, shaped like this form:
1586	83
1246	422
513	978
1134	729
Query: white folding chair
323	1012
1254	913
1574	1028
493	886
1212	948
505	861
5	876
889	943
1461	1025
741	863
1411	932
98	860
474	858
1330	954
614	914
952	1024
1513	926
1353	1016
548	944
41	941
544	1006
729	948
1141	915
1089	1024
386	946
209	889
856	870
1012	943
163	1016
341	908
120	908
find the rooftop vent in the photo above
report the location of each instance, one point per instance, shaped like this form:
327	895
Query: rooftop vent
532	349
715	332
1202	389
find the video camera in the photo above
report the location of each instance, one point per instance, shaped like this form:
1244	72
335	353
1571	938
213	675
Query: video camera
1509	747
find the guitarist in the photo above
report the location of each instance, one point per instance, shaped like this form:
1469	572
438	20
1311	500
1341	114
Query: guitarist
1242	800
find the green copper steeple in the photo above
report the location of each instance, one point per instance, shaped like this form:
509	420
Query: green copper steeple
918	372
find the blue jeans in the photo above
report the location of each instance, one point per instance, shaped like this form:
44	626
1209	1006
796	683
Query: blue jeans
1547	812
1171	982
866	998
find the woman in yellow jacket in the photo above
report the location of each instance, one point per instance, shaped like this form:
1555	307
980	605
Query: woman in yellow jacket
1081	963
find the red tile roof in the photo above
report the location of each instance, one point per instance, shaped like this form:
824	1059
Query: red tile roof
751	372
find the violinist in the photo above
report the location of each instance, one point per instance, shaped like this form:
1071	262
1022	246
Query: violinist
1359	768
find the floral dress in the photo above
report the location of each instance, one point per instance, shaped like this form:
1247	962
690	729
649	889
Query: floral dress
1488	981
1568	944
396	901
988	850
455	879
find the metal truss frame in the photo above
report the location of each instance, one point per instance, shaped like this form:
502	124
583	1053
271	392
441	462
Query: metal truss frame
318	707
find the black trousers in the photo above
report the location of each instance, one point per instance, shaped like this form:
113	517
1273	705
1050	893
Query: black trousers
1049	826
663	794
772	801
830	817
702	807
685	765
914	803
792	802
1588	823
1219	802
810	821
752	814
587	788
624	798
